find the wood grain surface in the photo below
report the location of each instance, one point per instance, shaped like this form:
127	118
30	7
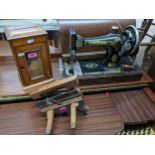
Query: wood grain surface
26	118
5	50
150	94
9	80
134	106
10	83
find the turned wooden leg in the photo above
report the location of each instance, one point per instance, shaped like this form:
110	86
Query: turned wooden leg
73	115
50	118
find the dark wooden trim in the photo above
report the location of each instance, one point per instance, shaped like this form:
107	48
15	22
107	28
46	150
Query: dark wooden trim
150	94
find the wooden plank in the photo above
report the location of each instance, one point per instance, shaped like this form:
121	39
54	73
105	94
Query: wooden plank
29	89
144	79
134	106
148	44
70	82
26	118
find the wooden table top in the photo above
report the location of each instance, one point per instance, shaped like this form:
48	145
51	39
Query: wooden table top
107	115
25	118
5	50
134	106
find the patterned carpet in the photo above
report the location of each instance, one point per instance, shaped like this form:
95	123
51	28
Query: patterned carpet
142	129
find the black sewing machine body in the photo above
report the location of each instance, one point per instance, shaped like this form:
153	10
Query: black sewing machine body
109	65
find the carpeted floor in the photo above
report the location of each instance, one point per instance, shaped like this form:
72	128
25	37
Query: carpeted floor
142	129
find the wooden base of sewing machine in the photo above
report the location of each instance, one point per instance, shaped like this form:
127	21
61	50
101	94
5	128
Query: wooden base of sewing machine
91	72
110	78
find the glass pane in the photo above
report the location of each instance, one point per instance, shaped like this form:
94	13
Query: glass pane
35	64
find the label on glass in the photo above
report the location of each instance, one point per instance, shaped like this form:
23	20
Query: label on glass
32	55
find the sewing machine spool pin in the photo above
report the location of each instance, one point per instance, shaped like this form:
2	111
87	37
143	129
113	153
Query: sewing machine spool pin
114	29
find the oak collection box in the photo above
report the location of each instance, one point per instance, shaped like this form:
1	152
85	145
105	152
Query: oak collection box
29	46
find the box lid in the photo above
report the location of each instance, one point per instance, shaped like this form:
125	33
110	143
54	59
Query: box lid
17	32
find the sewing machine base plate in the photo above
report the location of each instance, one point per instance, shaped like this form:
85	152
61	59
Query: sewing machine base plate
91	71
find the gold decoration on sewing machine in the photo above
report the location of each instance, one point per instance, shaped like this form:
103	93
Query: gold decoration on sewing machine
91	65
111	62
114	58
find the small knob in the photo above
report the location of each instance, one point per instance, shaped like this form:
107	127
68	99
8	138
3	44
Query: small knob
114	29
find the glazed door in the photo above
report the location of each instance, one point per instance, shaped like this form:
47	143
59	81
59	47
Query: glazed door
33	61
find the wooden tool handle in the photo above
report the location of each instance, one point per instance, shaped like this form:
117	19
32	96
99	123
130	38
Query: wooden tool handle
50	118
73	115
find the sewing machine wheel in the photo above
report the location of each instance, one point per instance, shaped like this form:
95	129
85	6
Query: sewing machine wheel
130	41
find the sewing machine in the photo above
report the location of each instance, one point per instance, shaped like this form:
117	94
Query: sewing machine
113	64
